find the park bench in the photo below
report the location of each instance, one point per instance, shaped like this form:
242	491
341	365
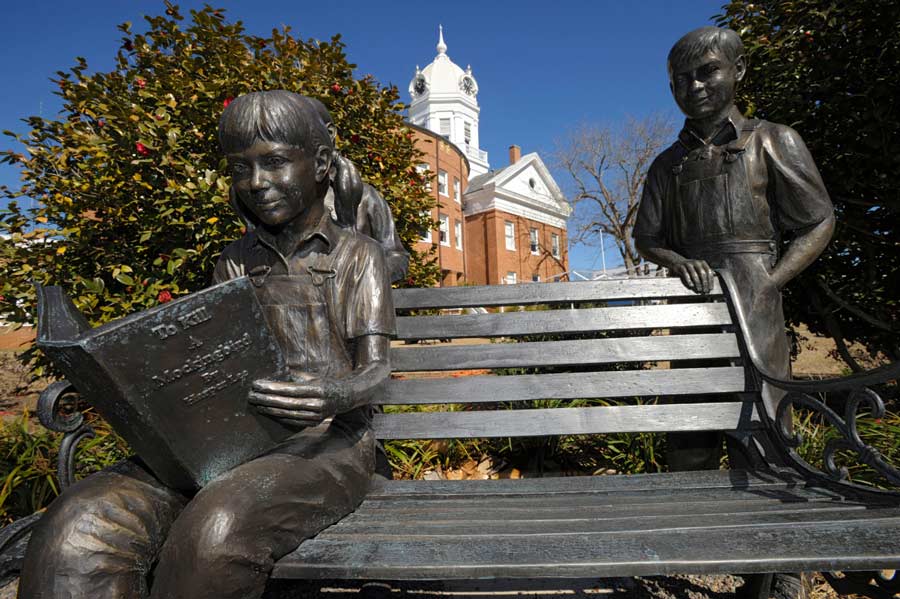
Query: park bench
777	516
634	341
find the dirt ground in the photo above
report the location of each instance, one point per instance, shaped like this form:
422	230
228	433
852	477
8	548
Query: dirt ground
674	587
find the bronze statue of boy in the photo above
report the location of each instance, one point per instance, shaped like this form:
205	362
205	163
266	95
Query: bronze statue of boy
730	188
727	194
326	294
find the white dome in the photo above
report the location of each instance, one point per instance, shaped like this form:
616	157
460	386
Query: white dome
443	77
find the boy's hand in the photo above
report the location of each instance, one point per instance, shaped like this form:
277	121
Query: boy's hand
695	274
307	402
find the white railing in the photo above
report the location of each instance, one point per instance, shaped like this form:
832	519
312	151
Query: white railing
476	153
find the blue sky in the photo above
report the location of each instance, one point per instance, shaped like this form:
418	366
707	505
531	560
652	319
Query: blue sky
542	67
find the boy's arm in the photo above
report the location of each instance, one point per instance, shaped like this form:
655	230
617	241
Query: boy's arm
695	274
803	251
801	203
316	399
650	235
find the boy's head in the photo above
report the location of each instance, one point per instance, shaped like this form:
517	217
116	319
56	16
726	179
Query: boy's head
705	67
279	152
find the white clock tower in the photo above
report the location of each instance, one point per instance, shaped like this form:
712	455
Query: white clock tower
444	101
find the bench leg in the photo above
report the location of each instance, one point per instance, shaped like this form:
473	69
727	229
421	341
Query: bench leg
375	590
795	585
756	586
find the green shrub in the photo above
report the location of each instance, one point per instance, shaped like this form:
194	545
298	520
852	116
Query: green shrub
130	187
28	455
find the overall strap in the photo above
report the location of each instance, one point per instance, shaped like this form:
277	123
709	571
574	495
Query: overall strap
737	147
323	276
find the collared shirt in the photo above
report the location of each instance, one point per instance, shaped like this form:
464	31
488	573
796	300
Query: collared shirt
786	191
362	292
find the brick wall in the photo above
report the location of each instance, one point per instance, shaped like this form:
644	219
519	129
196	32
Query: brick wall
440	155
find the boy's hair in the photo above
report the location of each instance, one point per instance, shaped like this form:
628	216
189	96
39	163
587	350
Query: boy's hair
698	42
273	116
323	113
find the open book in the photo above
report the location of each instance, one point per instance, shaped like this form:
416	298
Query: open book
173	380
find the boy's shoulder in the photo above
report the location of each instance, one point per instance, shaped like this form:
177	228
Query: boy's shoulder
355	247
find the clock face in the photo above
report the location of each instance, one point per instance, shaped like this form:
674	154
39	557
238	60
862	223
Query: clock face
467	84
420	86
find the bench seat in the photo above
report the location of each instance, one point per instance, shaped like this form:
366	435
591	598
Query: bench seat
711	522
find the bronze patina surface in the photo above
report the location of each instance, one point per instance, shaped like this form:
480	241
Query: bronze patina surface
323	289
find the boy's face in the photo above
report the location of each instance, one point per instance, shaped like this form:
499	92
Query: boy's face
705	86
278	182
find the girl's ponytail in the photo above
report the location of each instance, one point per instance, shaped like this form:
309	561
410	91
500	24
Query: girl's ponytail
348	190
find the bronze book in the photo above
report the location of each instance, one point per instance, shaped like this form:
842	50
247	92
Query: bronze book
173	380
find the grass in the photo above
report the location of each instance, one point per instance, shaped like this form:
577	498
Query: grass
28	455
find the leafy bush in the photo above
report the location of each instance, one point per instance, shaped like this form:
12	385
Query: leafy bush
132	197
28	455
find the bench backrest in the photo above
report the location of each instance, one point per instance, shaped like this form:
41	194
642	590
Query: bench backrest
633	339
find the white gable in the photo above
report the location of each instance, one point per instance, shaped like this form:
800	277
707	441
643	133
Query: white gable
528	182
526	189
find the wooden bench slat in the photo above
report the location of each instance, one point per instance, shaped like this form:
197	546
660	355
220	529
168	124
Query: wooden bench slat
544	293
566	421
563	321
626	383
578	522
666	501
589	508
565	353
870	542
414	490
396	521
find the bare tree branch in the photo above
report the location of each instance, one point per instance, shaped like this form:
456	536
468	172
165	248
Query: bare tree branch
606	169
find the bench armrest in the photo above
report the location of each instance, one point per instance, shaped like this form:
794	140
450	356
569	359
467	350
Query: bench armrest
53	415
803	394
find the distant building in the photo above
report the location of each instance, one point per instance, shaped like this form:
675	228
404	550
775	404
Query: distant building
504	226
449	175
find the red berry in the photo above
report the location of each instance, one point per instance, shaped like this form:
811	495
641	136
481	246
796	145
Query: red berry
101	122
227	101
164	296
141	149
140	83
336	88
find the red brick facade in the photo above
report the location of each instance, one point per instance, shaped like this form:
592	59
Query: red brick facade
481	256
449	171
491	262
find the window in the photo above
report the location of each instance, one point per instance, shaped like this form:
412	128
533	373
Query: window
456	195
426	234
457	231
467	132
533	237
444	229
510	278
554	245
535	278
445	127
442	182
423	170
510	230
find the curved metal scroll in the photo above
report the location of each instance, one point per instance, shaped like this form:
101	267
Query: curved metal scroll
799	396
52	414
846	426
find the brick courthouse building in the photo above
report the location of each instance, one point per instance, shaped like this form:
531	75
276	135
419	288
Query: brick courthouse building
494	226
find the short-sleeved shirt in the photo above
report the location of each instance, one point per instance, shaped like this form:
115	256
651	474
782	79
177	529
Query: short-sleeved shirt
362	286
786	189
358	298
